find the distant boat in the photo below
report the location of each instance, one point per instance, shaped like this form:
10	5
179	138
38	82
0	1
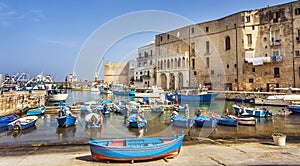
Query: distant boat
36	111
104	89
54	95
23	123
5	120
136	149
256	112
248	121
192	95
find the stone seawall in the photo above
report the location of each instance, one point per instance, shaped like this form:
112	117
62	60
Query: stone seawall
16	101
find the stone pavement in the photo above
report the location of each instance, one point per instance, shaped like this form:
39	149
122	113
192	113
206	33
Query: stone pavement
202	153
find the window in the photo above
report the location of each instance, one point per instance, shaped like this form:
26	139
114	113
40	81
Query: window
195	73
227	66
249	39
253	27
161	65
150	52
207	61
297	11
297	53
207	47
161	38
227	43
298	35
276	72
275	37
251	80
193	64
179	62
168	64
299	72
192	29
253	70
206	29
249	54
168	36
193	48
247	18
275	17
212	72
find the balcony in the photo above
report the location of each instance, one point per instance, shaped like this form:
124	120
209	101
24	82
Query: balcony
276	42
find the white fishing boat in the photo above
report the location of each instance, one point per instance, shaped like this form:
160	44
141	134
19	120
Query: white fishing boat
279	100
152	92
56	95
104	89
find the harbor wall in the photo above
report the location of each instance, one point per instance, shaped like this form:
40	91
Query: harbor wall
16	101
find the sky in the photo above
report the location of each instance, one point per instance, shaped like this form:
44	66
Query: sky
49	36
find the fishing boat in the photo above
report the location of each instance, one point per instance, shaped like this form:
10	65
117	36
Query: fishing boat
245	99
294	108
193	95
22	123
5	120
205	121
36	111
122	90
93	120
255	112
65	117
54	95
104	109
157	109
136	121
136	149
179	108
104	89
182	121
225	120
248	121
151	92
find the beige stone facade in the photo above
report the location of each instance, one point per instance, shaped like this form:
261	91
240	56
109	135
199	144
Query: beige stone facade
244	51
116	73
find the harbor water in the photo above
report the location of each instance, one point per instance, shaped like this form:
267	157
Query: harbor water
47	132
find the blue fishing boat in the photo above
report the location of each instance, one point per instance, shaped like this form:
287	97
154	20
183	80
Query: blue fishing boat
179	108
225	120
245	99
65	117
66	121
136	121
182	121
130	92
136	149
36	111
205	121
192	96
255	112
5	120
294	108
22	123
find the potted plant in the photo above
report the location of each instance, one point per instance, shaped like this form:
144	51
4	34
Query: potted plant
279	139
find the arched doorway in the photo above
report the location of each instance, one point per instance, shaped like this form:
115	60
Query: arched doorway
172	81
163	81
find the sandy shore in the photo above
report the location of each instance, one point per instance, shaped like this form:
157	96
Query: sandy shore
207	152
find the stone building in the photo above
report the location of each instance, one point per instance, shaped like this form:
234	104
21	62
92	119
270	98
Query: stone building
247	50
116	73
145	71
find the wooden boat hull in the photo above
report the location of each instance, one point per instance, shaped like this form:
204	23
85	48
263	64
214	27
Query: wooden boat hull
5	120
37	111
66	121
130	149
182	122
204	121
23	123
294	108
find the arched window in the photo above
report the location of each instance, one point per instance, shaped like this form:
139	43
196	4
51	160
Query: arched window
168	64
179	61
227	43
